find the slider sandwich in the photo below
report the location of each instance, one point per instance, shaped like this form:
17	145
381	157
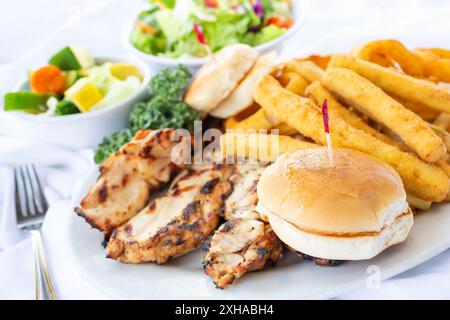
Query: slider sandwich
352	209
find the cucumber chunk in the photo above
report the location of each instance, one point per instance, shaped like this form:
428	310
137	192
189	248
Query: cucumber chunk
30	102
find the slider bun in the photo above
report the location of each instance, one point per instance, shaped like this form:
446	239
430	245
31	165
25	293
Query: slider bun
342	248
219	77
242	97
351	211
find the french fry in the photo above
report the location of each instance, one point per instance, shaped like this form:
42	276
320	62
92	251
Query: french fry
392	50
363	95
306	69
396	83
285	129
231	123
443	121
320	61
441	133
258	120
318	94
418	203
262	147
420	109
294	82
423	180
445	166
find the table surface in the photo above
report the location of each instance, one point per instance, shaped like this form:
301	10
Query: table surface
41	21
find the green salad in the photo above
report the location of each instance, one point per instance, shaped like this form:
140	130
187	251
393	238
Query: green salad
165	108
187	28
72	82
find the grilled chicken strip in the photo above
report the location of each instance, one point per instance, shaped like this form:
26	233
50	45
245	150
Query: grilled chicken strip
176	223
244	243
240	246
127	178
243	200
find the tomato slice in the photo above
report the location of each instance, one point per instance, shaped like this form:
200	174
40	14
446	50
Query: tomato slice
211	3
281	21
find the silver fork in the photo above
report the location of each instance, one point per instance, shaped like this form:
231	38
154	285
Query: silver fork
31	207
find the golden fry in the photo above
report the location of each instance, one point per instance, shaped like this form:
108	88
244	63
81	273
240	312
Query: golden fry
364	96
443	134
263	147
306	69
420	109
396	83
423	180
318	94
445	166
285	129
443	121
294	82
231	123
258	120
418	203
320	61
392	50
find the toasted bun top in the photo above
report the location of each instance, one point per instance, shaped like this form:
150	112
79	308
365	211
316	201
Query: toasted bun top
219	77
358	196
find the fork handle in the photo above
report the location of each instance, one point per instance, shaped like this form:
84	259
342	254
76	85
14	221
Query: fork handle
44	287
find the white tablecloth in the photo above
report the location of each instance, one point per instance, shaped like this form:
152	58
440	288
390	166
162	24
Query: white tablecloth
46	25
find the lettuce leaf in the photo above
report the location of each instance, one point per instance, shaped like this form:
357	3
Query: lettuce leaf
266	34
229	28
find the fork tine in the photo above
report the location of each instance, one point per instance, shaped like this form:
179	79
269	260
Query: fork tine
29	194
39	195
20	210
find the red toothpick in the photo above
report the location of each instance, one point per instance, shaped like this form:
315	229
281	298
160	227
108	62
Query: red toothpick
326	126
201	38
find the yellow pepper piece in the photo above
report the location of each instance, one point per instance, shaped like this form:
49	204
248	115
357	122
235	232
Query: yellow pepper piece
123	70
83	94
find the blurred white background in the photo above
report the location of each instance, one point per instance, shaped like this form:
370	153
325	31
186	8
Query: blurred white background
26	24
31	30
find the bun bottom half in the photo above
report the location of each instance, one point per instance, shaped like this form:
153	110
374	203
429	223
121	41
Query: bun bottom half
361	247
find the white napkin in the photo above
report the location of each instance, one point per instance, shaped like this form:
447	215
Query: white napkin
57	167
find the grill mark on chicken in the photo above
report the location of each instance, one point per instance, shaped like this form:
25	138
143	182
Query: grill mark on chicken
128	229
124	180
103	192
207	188
179	221
127	178
243	243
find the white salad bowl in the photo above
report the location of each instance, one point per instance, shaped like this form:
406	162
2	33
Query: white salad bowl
81	130
158	63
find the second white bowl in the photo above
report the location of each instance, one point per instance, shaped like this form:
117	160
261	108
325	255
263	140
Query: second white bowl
157	63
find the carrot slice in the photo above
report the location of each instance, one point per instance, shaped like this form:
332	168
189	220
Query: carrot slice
145	27
48	79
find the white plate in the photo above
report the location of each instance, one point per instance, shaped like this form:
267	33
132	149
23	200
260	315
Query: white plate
183	278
